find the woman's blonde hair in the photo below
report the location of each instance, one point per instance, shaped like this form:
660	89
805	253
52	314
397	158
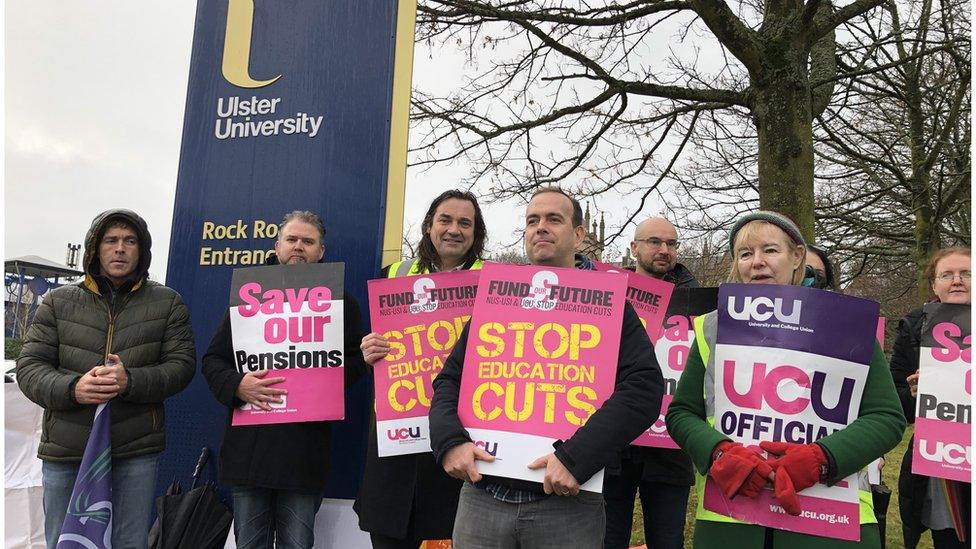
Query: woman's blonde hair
752	229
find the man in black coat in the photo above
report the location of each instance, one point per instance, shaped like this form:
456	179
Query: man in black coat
663	476
277	472
406	499
501	512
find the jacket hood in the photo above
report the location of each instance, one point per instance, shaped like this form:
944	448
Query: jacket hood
584	263
93	269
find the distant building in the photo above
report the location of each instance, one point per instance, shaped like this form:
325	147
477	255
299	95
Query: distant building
593	243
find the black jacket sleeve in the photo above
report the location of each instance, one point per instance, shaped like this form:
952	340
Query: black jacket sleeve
218	366
904	359
446	431
352	325
634	405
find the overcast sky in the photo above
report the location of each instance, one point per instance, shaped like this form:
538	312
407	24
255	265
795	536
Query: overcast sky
94	101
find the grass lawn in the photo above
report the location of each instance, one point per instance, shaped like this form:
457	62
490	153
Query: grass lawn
889	474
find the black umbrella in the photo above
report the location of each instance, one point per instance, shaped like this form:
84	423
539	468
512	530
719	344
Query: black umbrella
195	519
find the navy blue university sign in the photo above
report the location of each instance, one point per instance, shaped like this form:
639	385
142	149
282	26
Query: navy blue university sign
290	105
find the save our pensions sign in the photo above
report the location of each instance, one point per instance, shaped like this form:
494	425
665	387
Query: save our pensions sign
791	364
422	317
943	409
541	358
289	319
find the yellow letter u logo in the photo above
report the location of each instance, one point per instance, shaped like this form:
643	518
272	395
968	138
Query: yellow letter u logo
237	45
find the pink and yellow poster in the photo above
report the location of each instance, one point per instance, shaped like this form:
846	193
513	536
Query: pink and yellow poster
289	319
422	317
541	358
943	409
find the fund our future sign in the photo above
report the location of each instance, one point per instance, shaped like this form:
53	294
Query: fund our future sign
649	297
289	319
790	365
422	317
541	358
943	409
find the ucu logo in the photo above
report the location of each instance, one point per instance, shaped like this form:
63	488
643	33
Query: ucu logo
953	454
490	447
403	433
423	299
762	309
770	385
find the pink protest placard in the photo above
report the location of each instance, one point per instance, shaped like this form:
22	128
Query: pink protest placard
289	319
943	409
541	358
791	364
672	347
650	297
422	317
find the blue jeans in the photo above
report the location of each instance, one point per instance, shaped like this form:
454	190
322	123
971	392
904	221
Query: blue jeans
664	508
555	522
263	514
133	487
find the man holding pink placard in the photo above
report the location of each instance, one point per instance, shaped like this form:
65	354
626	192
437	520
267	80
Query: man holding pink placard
505	511
277	471
405	496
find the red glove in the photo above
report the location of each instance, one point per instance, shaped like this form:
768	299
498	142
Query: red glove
797	466
737	469
785	493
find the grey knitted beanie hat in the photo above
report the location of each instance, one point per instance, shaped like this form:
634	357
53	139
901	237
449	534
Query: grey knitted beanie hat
777	219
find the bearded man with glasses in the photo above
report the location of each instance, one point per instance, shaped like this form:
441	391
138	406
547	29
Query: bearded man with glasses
655	247
663	476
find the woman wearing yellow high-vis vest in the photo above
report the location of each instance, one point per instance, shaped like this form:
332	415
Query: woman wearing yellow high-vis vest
406	499
768	248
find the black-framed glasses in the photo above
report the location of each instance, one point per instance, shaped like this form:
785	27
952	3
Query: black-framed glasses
949	277
657	242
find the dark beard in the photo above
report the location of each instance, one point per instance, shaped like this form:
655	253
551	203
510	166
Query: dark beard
651	268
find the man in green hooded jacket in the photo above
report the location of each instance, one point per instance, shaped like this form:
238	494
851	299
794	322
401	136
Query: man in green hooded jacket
115	336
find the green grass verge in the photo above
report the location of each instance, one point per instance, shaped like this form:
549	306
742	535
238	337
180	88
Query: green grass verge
889	474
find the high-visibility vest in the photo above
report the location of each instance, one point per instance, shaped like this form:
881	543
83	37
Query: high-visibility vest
706	328
410	267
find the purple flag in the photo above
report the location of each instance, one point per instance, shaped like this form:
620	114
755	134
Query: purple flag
88	522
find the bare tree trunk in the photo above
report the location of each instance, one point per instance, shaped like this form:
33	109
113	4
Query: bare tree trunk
926	231
781	113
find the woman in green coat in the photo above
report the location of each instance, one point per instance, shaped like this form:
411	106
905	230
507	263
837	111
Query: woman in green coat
768	248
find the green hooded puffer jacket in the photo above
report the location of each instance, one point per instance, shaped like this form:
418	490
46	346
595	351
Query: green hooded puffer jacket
77	325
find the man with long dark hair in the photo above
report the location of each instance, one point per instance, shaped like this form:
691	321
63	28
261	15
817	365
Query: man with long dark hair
407	499
454	235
